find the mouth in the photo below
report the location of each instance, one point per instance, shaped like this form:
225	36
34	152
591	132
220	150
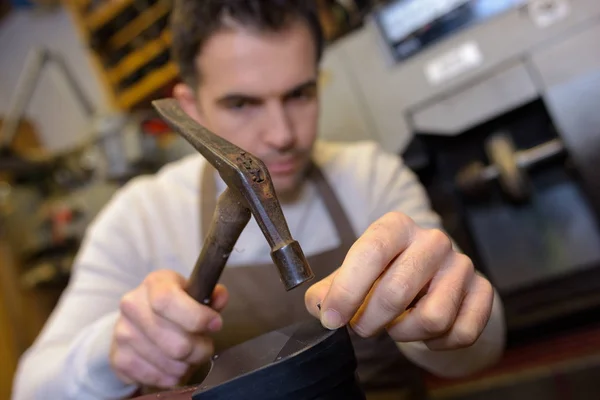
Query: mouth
282	167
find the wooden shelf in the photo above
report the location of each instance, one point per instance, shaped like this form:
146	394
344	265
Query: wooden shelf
126	44
139	24
139	58
104	13
154	81
73	6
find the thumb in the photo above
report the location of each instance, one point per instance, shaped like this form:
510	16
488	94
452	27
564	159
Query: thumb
315	295
219	298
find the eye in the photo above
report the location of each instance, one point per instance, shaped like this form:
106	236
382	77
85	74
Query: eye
305	93
237	104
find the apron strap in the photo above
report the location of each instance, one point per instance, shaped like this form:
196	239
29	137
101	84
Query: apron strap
208	202
340	219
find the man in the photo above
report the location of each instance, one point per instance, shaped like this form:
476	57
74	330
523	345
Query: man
250	71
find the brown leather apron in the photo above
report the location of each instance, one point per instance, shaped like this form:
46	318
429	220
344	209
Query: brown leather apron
258	302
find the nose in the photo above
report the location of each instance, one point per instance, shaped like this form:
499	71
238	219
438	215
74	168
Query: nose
278	129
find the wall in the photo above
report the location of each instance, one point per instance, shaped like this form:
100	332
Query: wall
59	120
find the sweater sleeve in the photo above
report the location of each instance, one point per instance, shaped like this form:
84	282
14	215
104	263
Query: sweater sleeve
70	357
395	187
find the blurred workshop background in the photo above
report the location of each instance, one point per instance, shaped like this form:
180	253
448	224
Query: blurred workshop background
494	104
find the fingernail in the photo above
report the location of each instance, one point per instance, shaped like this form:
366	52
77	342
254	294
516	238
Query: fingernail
215	325
331	319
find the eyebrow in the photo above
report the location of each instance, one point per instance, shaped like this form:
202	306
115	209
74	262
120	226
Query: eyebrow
241	96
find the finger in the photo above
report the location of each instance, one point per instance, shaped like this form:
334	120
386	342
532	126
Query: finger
136	370
471	320
202	350
408	275
128	335
168	337
220	297
168	299
435	313
316	293
366	260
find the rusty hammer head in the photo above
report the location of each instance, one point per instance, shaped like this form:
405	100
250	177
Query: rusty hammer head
248	176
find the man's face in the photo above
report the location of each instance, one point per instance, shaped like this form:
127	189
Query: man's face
259	91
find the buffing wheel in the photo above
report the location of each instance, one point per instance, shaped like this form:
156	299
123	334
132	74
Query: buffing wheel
303	361
513	179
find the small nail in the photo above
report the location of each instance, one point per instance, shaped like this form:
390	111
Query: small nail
215	325
331	319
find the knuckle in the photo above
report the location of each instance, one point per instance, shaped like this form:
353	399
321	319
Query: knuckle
160	276
466	336
398	218
486	287
465	262
439	240
410	265
128	304
378	244
373	255
371	251
162	299
435	323
153	279
123	333
179	349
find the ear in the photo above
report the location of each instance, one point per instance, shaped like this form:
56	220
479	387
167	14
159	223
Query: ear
188	102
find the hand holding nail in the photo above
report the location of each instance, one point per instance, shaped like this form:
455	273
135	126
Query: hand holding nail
409	281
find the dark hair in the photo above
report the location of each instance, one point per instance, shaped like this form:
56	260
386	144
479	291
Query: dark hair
194	21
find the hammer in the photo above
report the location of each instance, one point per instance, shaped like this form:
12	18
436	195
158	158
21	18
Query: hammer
249	192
